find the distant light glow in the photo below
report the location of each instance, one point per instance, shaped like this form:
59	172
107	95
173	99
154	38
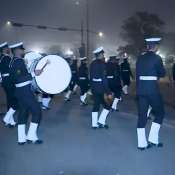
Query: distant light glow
8	23
37	50
69	52
77	3
161	54
100	34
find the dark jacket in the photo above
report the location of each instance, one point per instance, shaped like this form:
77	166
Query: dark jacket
148	64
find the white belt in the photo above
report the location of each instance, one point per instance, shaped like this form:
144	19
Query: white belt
82	78
23	84
97	80
148	78
125	70
5	75
110	77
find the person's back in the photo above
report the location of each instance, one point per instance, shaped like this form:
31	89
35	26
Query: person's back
98	76
148	67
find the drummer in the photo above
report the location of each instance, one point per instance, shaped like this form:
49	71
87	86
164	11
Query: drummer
31	59
26	98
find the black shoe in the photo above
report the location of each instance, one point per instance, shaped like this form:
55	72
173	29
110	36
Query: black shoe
114	110
12	126
141	149
4	123
144	148
21	143
95	127
45	107
37	142
103	126
83	104
67	99
159	145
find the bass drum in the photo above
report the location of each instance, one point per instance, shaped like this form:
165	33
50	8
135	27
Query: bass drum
55	77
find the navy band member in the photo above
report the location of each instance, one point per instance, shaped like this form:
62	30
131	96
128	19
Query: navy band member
173	76
7	85
149	68
83	76
25	96
126	74
173	73
99	86
74	81
114	80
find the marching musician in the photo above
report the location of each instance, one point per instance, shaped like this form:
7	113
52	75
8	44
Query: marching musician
25	96
7	85
114	80
149	69
126	74
99	86
74	81
83	76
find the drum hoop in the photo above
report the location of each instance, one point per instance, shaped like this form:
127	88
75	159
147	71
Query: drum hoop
42	91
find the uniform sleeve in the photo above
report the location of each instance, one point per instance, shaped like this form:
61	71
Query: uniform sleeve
160	68
137	71
130	72
105	81
19	70
20	67
173	72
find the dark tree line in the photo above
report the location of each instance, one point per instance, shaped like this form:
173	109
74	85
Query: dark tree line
138	27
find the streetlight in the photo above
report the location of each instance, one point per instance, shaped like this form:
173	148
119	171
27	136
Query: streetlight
8	23
87	29
100	34
64	29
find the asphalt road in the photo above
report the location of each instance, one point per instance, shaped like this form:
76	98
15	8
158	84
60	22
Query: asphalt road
71	147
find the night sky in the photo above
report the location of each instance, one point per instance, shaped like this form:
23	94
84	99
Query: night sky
105	16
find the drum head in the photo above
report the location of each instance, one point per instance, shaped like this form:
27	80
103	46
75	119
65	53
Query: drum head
30	57
55	77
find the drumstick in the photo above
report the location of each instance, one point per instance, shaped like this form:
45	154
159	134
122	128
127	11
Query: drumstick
45	65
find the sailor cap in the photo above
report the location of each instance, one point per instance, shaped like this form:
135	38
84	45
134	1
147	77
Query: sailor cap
98	50
153	40
17	46
5	44
82	59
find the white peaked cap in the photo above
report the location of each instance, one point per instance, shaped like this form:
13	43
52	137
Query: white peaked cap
82	59
3	44
153	39
16	45
98	50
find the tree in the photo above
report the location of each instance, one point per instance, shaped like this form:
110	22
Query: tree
138	27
